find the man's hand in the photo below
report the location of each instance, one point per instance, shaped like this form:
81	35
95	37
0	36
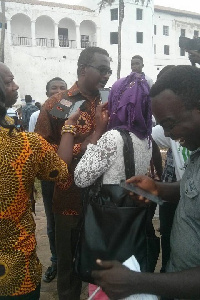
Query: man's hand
101	118
114	279
145	183
194	56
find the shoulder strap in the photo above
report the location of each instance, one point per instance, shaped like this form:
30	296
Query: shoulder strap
128	150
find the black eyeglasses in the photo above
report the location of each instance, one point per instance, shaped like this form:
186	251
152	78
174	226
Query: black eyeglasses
103	70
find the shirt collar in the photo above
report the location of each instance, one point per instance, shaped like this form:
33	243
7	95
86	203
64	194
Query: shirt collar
195	151
74	90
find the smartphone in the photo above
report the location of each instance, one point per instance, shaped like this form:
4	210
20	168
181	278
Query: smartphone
141	192
104	92
63	109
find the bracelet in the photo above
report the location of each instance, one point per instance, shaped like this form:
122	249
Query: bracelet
68	129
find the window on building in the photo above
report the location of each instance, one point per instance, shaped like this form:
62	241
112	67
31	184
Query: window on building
139	37
63	37
166	49
5	25
154	48
85	41
182	32
182	52
196	33
165	30
139	13
155	29
114	14
113	38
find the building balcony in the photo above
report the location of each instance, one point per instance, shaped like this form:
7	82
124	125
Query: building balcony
44	42
21	41
85	44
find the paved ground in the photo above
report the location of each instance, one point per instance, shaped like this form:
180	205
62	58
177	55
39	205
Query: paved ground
48	290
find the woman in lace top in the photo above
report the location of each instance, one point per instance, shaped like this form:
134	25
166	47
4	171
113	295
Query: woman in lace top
129	108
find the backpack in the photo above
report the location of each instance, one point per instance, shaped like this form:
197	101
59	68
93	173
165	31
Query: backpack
27	111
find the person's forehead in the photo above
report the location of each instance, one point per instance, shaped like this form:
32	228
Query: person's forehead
57	83
136	61
101	59
5	72
167	105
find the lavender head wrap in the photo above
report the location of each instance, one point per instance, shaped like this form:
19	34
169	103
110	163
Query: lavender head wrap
129	105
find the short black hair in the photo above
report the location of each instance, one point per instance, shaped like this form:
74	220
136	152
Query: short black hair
28	98
86	56
138	57
184	81
38	104
53	79
165	69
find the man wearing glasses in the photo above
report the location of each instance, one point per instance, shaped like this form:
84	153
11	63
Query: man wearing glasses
93	73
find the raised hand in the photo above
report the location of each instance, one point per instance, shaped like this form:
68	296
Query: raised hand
101	117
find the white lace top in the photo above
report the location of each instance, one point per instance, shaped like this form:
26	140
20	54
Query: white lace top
107	158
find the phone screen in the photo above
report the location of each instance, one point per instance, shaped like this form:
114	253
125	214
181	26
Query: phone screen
65	108
75	106
104	94
141	192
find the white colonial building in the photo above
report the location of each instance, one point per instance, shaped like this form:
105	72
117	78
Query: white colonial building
44	39
169	25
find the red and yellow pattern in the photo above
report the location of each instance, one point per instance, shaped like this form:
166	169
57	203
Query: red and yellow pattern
67	198
23	156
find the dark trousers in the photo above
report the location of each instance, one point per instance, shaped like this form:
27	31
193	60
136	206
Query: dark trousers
47	194
34	295
166	214
67	230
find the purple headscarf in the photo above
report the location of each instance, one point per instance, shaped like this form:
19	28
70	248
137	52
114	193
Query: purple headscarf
129	106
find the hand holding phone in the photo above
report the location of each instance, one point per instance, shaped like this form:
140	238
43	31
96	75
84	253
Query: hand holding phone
132	188
104	92
64	108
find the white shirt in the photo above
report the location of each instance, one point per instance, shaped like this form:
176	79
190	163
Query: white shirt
33	121
11	112
107	158
180	154
149	80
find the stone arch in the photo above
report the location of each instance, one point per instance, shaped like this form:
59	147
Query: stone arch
44	31
88	33
21	30
67	33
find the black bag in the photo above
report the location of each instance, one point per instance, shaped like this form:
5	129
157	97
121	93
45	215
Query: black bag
114	228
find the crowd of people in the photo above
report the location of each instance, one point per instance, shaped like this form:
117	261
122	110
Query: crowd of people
70	154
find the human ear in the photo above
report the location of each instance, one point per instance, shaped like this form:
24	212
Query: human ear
82	70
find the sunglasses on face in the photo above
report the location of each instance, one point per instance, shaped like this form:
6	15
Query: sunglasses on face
102	70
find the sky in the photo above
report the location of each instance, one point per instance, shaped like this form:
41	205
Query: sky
190	5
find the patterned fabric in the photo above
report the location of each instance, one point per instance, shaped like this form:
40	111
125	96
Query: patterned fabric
67	198
129	106
23	156
9	120
107	158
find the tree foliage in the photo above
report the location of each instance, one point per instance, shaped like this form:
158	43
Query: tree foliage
102	4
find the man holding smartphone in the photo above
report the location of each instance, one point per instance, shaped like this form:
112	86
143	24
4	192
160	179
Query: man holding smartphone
176	107
93	73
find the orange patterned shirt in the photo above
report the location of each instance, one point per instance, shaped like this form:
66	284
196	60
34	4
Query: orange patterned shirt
67	199
23	156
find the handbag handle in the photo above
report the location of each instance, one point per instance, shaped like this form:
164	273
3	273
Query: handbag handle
128	151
